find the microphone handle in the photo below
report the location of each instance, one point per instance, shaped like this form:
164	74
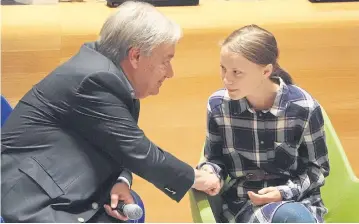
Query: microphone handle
120	207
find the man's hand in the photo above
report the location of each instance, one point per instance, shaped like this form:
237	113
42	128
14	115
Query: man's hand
119	192
207	182
217	189
265	196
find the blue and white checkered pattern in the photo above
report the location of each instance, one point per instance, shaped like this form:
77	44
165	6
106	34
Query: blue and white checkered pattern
287	141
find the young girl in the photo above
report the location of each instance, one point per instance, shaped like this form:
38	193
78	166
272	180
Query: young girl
266	134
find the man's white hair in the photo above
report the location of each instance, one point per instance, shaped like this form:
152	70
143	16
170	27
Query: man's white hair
139	25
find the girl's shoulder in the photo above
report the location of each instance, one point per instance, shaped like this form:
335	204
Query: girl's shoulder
301	98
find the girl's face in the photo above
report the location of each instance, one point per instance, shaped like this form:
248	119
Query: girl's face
240	76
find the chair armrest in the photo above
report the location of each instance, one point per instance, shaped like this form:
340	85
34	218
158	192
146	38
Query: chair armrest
200	207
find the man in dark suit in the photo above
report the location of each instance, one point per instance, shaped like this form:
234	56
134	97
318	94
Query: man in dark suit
71	143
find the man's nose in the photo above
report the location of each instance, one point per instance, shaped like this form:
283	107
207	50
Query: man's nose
170	72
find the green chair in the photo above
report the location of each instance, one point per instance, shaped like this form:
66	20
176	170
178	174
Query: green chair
340	192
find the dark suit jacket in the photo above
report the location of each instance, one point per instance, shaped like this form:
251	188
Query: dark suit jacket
70	137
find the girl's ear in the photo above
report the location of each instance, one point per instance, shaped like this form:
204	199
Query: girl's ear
267	71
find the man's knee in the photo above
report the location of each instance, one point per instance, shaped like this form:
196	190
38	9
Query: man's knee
293	213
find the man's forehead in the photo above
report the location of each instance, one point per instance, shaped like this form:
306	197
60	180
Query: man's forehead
166	50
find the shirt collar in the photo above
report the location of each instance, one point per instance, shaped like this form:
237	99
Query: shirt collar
129	86
281	100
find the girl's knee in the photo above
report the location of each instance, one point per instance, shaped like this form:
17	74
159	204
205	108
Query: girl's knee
293	213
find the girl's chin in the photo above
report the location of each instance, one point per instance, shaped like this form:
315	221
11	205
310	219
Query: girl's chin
235	95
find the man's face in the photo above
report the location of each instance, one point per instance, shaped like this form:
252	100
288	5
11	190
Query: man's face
151	71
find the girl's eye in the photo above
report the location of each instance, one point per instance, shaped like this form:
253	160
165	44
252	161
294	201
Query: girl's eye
237	73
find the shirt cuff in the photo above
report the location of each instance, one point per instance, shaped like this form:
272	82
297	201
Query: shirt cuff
123	179
216	169
285	191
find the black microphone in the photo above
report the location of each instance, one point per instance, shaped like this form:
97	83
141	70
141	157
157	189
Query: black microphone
131	211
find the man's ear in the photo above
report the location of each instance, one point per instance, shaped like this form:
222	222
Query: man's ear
268	69
134	56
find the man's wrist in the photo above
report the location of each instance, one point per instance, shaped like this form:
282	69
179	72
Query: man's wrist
195	177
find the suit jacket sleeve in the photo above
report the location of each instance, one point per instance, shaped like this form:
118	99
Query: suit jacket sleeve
100	115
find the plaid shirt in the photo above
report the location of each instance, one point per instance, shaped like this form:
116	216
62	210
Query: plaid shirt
283	147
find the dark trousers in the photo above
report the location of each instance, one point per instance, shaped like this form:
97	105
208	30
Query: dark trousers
102	217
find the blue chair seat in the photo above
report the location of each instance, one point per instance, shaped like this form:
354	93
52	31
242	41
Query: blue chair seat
139	202
5	110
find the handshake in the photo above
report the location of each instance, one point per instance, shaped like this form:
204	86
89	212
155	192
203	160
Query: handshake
207	181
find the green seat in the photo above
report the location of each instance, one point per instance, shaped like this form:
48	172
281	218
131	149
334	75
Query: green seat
340	192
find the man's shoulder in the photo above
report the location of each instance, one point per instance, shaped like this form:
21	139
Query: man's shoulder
87	61
89	70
